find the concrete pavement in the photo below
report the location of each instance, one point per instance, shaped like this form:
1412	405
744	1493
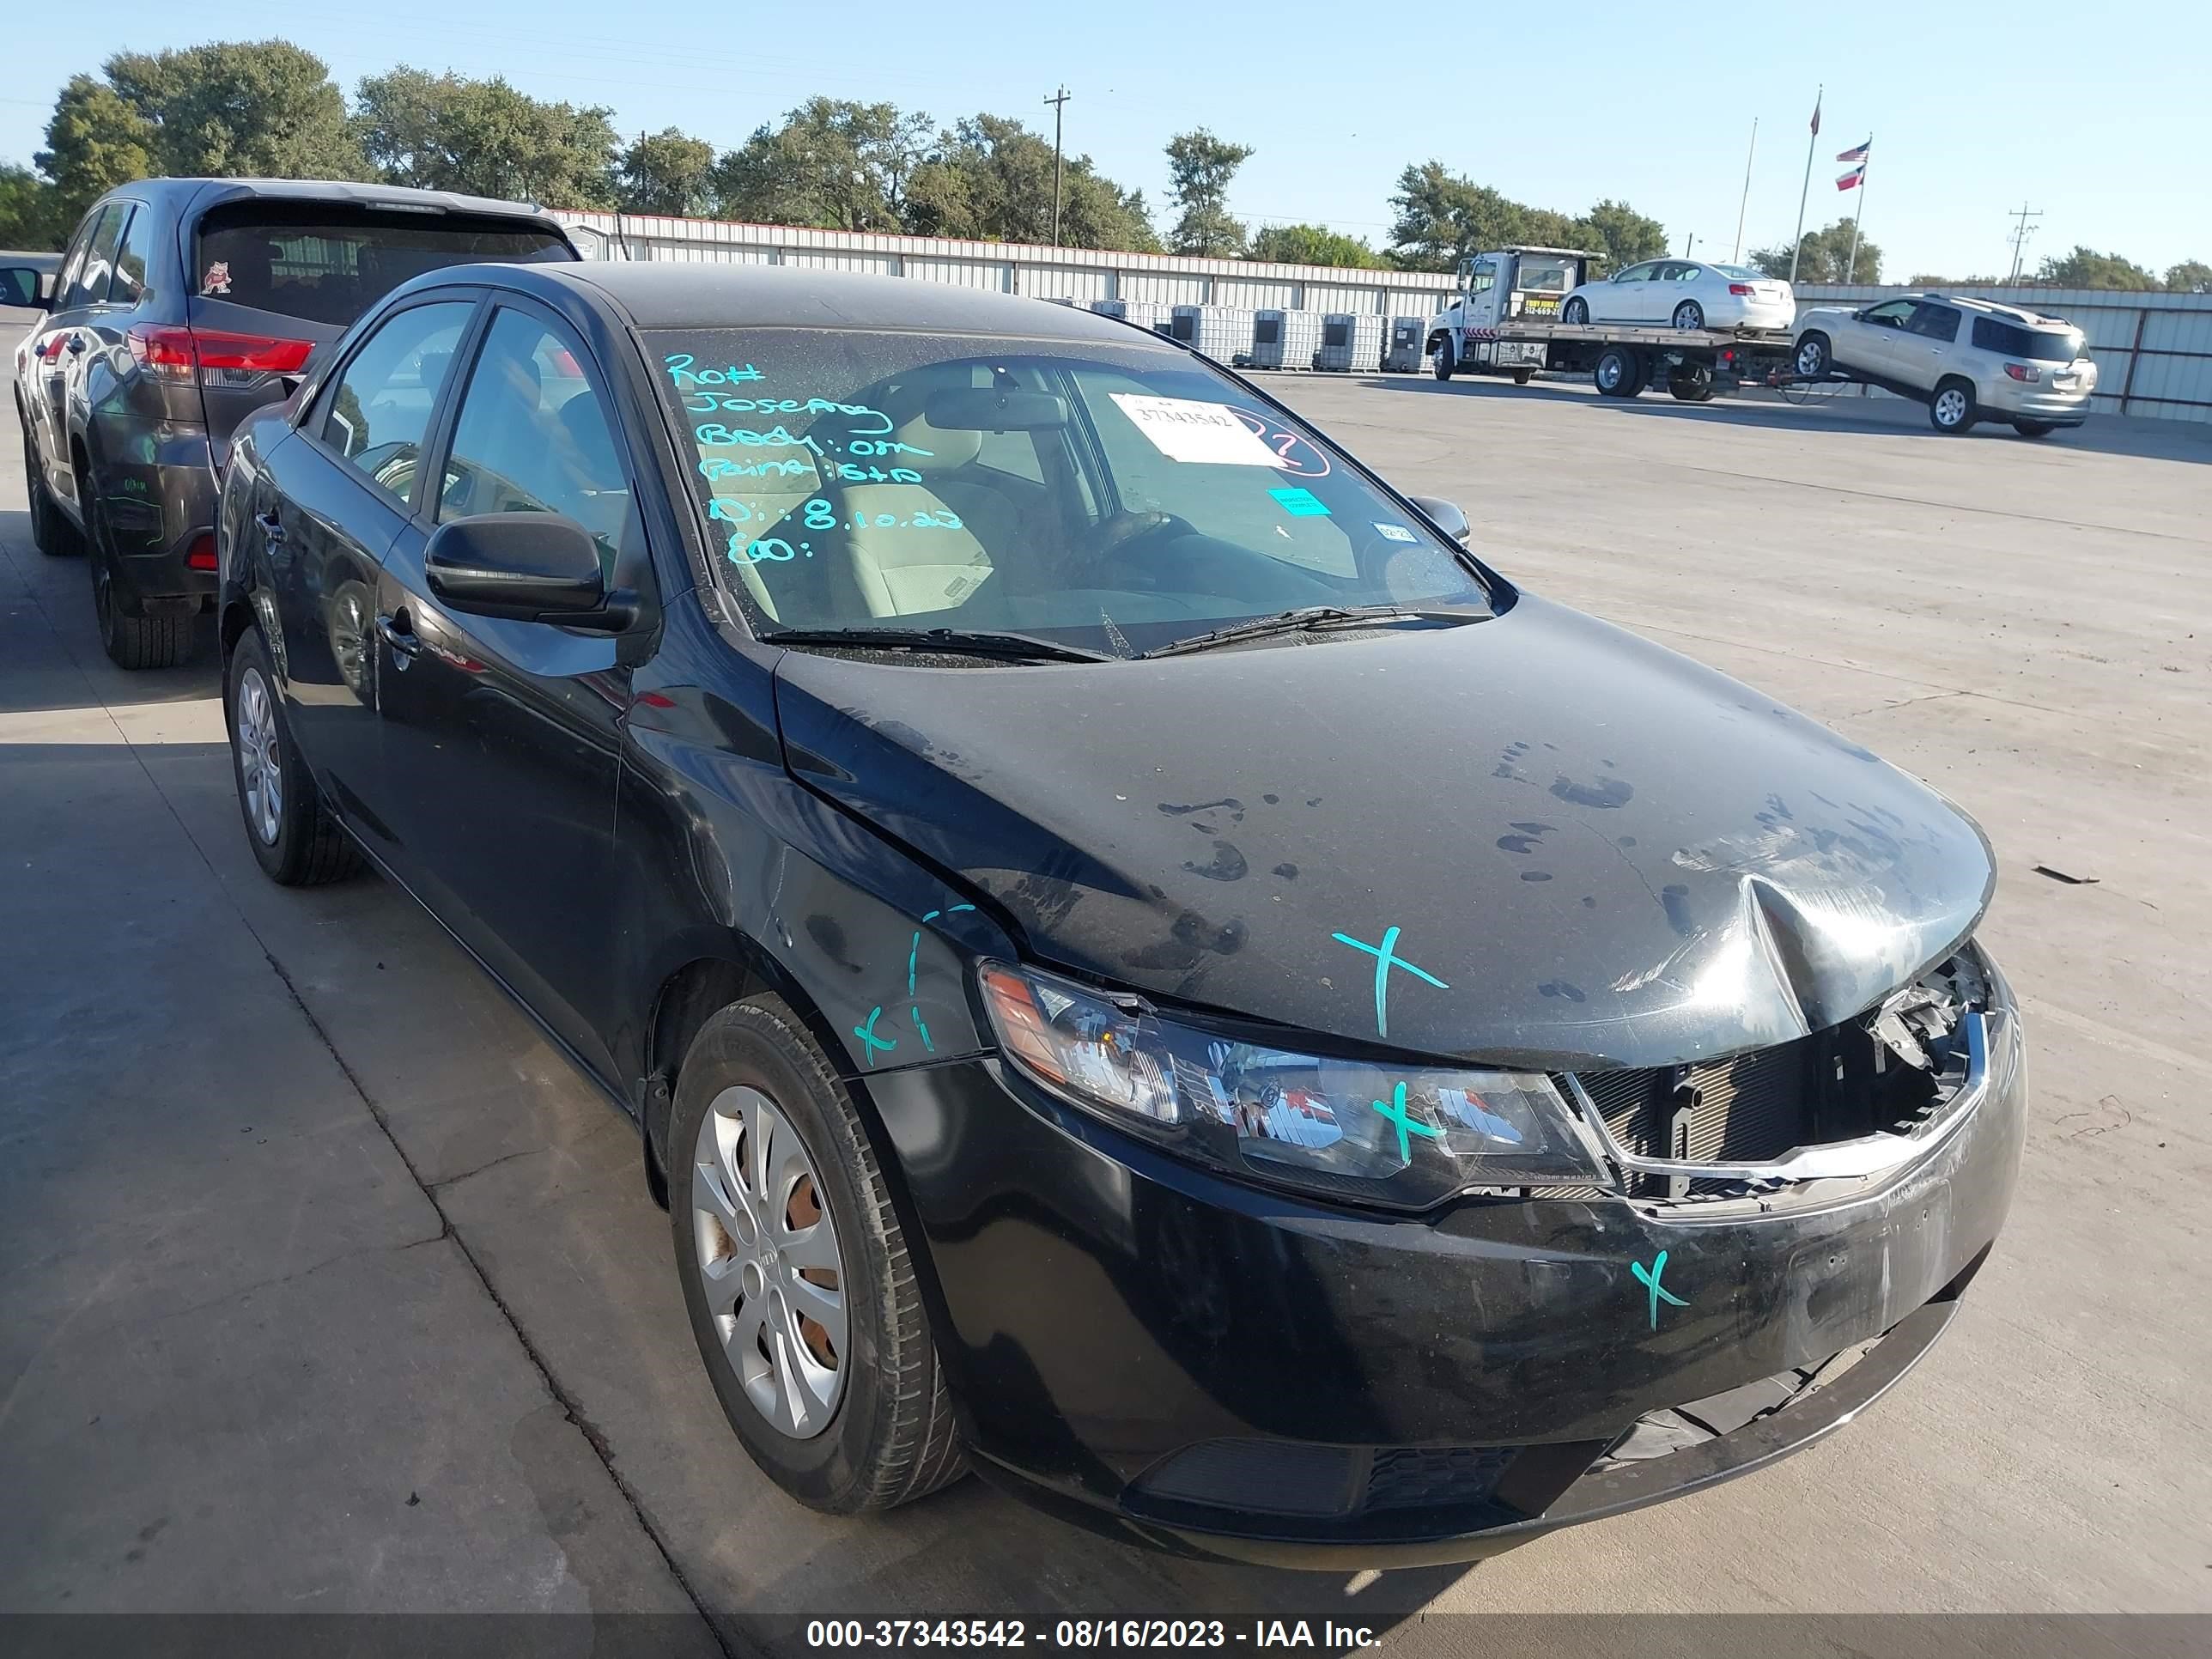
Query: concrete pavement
302	1221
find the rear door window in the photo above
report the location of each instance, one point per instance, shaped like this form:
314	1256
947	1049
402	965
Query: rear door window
327	263
89	286
378	412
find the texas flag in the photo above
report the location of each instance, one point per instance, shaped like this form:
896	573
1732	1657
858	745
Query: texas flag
1858	155
1852	179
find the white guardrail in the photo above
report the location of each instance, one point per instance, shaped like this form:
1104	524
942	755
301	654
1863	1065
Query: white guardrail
2154	351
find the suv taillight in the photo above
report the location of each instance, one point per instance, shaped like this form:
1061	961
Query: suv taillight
2022	372
1742	290
214	356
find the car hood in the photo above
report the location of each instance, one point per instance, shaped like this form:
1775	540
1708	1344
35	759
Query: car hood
1537	839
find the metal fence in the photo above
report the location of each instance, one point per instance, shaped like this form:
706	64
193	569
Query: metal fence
2153	351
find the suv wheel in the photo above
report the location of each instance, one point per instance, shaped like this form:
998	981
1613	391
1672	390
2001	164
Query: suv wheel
1812	360
1952	408
157	642
796	1274
295	839
52	534
2033	429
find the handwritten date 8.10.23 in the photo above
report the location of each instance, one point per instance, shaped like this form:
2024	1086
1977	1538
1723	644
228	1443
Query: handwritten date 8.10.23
1086	1635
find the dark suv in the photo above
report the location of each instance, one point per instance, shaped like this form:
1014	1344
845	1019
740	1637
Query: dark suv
181	306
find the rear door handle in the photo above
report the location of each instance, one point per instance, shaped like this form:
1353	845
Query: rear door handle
397	633
76	343
272	527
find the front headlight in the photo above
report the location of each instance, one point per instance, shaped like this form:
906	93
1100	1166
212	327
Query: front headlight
1349	1128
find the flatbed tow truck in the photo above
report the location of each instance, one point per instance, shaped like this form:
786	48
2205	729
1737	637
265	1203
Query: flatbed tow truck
1504	320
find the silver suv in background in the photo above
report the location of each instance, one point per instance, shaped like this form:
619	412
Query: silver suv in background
1968	359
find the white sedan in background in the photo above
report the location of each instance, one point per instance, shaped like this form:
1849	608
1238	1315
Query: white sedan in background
1684	294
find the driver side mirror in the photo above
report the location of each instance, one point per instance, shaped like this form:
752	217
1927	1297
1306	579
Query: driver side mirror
21	285
524	566
1445	515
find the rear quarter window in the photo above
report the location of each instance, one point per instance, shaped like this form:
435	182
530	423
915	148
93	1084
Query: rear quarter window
327	263
2041	346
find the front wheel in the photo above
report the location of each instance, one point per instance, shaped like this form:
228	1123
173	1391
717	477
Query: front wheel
1523	376
1813	360
2033	429
1444	362
796	1274
1575	311
1951	410
1689	314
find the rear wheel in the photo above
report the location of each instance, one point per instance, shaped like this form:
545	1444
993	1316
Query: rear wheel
1813	360
1689	314
52	534
155	641
1951	410
796	1274
1618	372
1693	383
1523	376
295	839
1575	311
1445	361
2033	429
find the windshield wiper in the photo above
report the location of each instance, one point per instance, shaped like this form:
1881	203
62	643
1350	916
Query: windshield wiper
967	641
1311	618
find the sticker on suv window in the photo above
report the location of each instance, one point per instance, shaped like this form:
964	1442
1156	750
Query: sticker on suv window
1185	429
218	280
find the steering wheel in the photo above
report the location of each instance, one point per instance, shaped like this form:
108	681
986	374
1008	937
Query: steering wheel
1121	533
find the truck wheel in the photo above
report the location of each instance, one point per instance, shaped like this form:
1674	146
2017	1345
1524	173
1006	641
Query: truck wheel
1689	314
1575	311
1951	410
1444	364
1523	376
1619	373
1812	360
1693	383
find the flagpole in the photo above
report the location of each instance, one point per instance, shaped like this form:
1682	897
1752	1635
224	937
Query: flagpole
1737	256
1851	265
1797	247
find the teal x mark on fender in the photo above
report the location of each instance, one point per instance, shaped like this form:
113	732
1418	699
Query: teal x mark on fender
1396	1111
866	1033
1649	1277
1386	959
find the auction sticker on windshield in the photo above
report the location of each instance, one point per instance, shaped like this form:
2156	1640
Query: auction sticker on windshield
1184	429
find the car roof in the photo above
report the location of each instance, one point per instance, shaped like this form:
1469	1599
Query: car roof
205	193
1995	308
686	295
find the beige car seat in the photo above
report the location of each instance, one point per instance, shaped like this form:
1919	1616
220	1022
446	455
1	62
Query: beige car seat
901	568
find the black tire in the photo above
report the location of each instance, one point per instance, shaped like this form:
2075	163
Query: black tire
1814	359
1951	414
307	848
891	1436
1444	364
52	533
2033	429
1692	383
132	642
1575	311
1523	376
1618	372
1692	312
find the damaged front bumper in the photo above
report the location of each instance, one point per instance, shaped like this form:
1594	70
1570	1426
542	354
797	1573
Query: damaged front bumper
1149	1349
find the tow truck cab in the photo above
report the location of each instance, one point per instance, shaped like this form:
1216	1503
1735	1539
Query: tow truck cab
1502	286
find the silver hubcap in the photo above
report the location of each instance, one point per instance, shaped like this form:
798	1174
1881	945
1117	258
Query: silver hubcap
767	1258
1687	317
259	773
1951	406
1808	359
1608	372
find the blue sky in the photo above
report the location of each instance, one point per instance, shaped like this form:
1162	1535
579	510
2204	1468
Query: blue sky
2103	119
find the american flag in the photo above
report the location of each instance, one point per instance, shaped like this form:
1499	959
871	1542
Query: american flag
1858	155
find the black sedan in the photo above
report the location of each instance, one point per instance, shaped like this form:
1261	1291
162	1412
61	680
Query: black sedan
1143	967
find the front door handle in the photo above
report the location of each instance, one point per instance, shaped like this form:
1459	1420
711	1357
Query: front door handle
399	633
272	528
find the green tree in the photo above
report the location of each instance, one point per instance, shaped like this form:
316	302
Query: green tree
1444	216
2087	268
1623	236
1200	169
1312	245
990	178
447	132
94	142
2189	277
1927	279
666	172
30	211
264	109
1823	256
835	163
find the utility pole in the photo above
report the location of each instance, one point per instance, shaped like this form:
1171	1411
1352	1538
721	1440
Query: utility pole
1058	101
1736	259
2021	232
1689	241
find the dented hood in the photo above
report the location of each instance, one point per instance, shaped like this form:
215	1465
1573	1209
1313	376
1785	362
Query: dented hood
1577	847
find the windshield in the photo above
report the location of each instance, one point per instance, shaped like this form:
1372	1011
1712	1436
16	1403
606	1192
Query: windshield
1114	497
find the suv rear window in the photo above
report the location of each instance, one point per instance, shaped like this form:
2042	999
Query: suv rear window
328	263
2061	345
